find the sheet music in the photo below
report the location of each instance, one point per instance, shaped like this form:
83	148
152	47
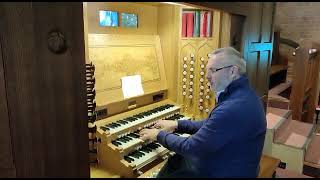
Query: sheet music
131	86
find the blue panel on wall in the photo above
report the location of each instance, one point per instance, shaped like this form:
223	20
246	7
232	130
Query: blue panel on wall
108	18
129	20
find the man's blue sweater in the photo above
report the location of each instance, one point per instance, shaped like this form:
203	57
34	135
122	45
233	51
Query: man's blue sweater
229	142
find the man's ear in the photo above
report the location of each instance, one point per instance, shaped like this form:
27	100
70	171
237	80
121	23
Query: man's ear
232	70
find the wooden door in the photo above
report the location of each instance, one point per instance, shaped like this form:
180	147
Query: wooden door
259	45
45	91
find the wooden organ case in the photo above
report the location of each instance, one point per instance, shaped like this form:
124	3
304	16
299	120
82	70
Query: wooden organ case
172	69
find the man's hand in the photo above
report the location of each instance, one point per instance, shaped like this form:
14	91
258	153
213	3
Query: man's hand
166	125
149	134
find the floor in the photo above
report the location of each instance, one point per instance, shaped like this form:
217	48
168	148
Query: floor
95	172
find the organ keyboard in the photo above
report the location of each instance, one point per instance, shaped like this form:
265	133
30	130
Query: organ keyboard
122	151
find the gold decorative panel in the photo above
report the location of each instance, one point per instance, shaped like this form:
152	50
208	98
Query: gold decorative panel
123	61
116	56
202	100
194	92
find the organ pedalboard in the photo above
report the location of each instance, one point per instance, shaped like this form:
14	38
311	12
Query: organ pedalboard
122	151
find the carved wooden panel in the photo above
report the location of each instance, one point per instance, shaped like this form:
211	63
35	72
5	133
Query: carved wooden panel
193	91
116	56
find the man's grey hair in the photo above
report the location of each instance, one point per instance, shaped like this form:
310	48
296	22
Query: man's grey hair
229	56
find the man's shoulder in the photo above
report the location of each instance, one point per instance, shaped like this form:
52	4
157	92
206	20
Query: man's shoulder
240	104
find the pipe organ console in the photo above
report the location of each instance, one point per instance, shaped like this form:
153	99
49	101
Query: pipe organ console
119	139
172	70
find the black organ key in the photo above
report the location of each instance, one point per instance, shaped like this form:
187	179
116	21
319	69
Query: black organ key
116	143
128	159
128	138
122	122
141	154
133	154
104	128
122	140
144	150
116	124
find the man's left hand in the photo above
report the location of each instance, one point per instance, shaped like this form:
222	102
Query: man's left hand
149	134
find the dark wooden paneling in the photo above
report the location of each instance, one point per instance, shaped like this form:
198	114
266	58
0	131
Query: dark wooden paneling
7	168
268	12
22	93
46	91
259	46
236	31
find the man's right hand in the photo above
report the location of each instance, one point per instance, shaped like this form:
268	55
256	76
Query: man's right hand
166	125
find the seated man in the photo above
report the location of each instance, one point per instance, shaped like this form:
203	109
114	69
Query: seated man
229	142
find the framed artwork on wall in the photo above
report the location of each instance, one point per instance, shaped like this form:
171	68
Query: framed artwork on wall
129	20
108	18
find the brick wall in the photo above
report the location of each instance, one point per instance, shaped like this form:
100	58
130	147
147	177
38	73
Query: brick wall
297	20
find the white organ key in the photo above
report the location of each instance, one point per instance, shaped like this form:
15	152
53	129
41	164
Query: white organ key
192	55
201	93
184	79
191	62
191	76
201	87
208	90
201	79
190	83
191	69
201	73
202	58
184	93
208	84
202	66
144	119
185	58
207	97
184	86
190	96
185	66
148	157
201	108
190	90
200	100
207	110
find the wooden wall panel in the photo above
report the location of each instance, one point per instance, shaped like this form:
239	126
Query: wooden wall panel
225	29
46	91
7	168
268	12
21	79
147	18
259	46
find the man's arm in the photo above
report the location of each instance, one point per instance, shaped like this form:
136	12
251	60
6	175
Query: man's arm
214	134
188	126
